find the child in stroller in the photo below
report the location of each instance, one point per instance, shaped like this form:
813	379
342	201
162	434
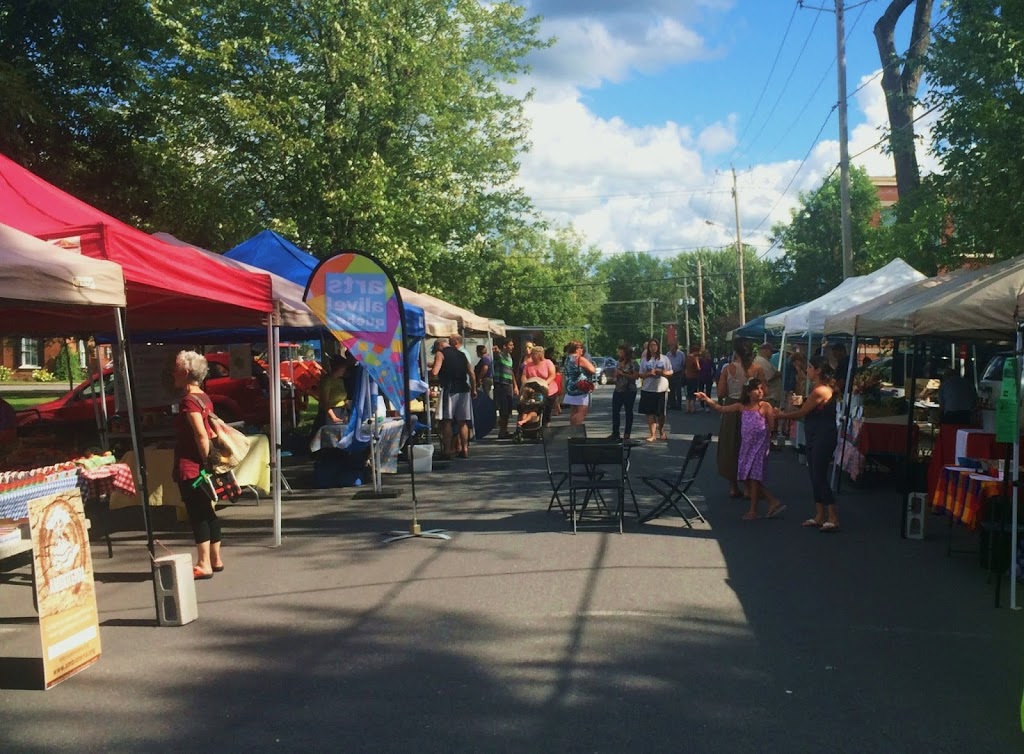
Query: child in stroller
532	399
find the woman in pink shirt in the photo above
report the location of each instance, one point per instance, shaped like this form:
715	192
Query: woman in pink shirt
539	369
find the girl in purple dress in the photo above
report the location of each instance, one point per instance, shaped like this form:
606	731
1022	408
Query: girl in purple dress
756	425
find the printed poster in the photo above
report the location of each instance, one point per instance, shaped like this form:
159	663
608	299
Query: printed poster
65	591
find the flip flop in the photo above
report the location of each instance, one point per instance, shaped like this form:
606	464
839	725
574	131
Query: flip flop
829	528
811	523
650	439
198	575
776	511
748	516
218	569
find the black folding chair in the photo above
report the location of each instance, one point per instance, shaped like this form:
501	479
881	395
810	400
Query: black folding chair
556	458
673	490
596	466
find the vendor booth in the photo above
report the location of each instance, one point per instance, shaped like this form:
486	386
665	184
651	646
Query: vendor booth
973	305
43	290
166	288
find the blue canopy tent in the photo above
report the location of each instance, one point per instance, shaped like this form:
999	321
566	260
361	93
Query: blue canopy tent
755	328
274	253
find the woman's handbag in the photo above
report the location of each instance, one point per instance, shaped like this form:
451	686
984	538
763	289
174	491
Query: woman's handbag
218	486
228	446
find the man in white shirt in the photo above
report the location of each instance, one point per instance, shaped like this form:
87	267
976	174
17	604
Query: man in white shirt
675	383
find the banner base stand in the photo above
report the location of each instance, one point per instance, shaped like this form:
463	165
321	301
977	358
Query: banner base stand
415	532
374	495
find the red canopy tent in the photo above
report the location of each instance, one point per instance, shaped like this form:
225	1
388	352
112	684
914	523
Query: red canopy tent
168	288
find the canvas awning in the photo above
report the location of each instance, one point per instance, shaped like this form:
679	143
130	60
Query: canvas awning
811	316
466	319
888	315
292	310
45	290
163	290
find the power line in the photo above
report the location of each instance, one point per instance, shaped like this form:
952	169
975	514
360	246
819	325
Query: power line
792	71
771	71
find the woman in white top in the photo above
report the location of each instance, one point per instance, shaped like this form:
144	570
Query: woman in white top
730	386
655	369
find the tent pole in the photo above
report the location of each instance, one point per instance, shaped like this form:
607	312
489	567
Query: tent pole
121	327
847	399
1015	465
275	425
910	436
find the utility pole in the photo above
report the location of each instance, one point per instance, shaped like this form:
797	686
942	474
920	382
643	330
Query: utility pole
700	302
739	245
686	311
844	147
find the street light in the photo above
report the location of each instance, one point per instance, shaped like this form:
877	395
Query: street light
586	339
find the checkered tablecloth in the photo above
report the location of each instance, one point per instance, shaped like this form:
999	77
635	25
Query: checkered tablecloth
96	483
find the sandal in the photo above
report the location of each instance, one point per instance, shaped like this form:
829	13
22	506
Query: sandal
811	524
748	516
776	511
218	569
199	575
829	528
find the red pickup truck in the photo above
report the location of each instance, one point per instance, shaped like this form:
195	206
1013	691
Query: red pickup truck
239	399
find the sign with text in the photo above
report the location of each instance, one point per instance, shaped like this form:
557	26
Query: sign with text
354	296
65	591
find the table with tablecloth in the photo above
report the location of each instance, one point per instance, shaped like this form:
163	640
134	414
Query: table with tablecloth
963	492
253	471
886	435
390	437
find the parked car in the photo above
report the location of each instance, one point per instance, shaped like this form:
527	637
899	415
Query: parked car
234	399
605	366
990	386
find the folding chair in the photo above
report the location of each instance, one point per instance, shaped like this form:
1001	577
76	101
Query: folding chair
596	466
674	490
556	459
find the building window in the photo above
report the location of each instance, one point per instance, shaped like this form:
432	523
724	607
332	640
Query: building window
31	353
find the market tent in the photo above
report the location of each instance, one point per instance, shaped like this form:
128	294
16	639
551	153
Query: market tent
467	319
46	290
269	251
983	304
887	315
292	311
755	328
164	290
810	317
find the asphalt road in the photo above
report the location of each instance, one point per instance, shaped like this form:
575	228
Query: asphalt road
518	636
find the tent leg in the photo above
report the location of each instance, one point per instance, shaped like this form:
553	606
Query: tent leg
125	368
1015	465
274	362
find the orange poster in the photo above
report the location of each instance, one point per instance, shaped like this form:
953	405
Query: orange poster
66	593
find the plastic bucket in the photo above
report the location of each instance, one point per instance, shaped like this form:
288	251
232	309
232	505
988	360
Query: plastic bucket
422	458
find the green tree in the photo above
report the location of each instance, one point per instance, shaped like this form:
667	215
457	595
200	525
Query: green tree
69	72
975	69
385	125
812	240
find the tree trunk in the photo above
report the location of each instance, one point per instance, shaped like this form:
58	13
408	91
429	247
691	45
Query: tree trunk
900	85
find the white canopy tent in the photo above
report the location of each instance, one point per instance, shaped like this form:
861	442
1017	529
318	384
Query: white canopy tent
885	316
810	318
467	320
41	285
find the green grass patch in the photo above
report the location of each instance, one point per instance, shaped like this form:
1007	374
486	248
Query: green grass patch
18	402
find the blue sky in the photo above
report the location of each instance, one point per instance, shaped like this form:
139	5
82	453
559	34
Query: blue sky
641	107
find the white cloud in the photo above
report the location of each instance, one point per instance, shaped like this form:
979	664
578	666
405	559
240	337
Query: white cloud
652	187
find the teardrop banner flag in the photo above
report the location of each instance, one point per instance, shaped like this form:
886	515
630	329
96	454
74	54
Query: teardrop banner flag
356	299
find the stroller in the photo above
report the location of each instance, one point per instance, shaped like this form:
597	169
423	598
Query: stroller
532	402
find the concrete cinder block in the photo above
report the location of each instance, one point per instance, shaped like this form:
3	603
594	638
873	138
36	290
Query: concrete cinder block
917	511
175	589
